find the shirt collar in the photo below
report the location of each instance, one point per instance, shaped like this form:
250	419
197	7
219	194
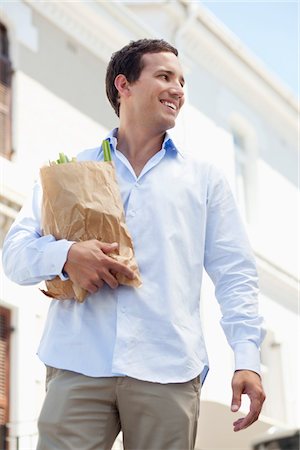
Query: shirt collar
168	143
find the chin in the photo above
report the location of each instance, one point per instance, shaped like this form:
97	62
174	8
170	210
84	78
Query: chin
168	124
171	125
162	124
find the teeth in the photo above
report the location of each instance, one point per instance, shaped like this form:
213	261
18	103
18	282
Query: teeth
171	105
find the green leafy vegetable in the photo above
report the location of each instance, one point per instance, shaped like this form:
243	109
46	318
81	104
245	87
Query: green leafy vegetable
62	159
106	150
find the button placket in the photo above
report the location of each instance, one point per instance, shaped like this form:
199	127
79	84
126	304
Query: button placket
133	202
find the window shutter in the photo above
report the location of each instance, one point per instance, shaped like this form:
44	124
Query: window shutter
5	121
5	329
5	96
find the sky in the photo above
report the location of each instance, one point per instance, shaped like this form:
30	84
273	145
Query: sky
270	29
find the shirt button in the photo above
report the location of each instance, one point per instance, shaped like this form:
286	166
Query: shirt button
132	213
123	309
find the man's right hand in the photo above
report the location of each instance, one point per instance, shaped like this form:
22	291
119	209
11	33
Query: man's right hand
89	267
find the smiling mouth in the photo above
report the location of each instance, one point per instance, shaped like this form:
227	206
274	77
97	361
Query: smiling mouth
169	105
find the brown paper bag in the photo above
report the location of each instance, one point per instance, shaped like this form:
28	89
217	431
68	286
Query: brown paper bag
81	201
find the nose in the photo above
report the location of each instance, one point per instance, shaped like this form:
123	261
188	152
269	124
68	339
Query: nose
176	90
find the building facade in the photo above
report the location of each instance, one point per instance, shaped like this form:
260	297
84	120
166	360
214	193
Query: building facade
52	98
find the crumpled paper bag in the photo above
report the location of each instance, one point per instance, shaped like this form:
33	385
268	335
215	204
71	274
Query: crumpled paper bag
82	201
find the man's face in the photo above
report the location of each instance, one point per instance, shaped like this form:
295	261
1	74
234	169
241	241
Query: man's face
157	96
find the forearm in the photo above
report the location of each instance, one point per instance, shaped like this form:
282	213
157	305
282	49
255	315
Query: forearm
237	293
29	260
28	257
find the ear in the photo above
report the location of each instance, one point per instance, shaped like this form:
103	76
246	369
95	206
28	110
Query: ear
122	85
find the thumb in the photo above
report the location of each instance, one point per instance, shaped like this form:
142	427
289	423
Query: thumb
236	398
108	248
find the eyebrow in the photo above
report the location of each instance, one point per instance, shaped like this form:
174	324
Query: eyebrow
170	72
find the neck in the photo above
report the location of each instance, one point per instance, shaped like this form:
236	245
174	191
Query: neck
138	145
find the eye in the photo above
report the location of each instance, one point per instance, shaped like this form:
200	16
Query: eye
164	76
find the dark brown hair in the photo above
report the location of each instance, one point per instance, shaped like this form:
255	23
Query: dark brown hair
128	61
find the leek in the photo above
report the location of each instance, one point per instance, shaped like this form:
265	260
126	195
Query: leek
106	150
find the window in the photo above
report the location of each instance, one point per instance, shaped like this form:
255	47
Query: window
272	377
5	95
9	207
245	160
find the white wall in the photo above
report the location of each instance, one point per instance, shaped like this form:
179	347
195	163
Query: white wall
277	225
45	125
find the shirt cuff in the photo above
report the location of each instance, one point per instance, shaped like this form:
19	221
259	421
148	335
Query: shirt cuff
64	276
247	357
55	257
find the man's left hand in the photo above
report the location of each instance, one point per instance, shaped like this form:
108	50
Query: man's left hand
249	383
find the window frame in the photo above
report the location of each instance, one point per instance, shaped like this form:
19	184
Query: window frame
5	95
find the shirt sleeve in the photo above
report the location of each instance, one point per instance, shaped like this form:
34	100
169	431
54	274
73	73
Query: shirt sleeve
28	256
230	263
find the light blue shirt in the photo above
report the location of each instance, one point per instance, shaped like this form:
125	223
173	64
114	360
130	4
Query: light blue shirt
182	218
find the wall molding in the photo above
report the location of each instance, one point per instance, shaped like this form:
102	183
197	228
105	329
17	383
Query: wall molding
104	27
79	22
277	284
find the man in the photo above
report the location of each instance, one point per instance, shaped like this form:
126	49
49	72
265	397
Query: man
134	359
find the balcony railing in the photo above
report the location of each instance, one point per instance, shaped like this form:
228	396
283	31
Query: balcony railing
8	441
11	441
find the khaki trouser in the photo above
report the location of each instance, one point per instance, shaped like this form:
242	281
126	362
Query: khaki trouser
86	413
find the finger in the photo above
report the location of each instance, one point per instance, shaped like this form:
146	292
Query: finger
245	422
251	417
99	284
238	425
237	391
91	288
110	280
121	268
94	285
107	248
